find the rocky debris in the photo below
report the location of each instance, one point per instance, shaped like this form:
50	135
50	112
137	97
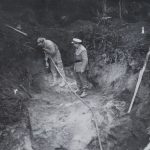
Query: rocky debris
15	129
130	135
16	136
133	128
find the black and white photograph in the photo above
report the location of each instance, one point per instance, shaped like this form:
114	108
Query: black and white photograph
74	74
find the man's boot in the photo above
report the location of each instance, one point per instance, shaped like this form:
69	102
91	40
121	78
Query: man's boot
62	84
78	91
54	82
83	94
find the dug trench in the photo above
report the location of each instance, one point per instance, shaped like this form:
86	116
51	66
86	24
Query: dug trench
60	121
52	118
35	116
56	120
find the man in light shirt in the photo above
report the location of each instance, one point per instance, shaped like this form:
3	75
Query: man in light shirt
52	52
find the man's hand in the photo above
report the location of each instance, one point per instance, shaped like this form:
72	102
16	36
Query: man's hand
46	50
50	51
46	64
82	70
148	51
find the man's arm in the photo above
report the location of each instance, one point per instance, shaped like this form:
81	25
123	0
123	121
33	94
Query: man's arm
50	48
84	60
46	60
47	50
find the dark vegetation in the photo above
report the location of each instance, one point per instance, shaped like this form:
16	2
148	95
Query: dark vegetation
117	39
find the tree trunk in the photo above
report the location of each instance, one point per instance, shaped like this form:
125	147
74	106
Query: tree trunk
104	7
120	9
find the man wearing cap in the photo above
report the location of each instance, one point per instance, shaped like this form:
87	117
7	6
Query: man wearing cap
52	52
80	66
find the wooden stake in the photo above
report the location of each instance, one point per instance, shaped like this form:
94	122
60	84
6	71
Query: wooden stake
139	80
25	34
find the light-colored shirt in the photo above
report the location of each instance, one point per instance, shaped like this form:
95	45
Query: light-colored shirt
82	57
53	51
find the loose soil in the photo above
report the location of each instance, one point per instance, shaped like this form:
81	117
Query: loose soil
60	120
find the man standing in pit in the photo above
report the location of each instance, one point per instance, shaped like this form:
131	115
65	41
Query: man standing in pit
80	66
52	53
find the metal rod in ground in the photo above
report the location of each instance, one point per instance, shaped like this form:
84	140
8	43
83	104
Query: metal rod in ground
25	34
139	81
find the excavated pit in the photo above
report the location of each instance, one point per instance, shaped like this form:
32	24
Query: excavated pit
60	120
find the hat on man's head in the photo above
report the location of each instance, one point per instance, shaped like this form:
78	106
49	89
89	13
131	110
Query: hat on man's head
40	40
76	40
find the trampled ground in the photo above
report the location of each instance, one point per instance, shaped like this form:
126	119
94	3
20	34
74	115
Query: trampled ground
59	119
